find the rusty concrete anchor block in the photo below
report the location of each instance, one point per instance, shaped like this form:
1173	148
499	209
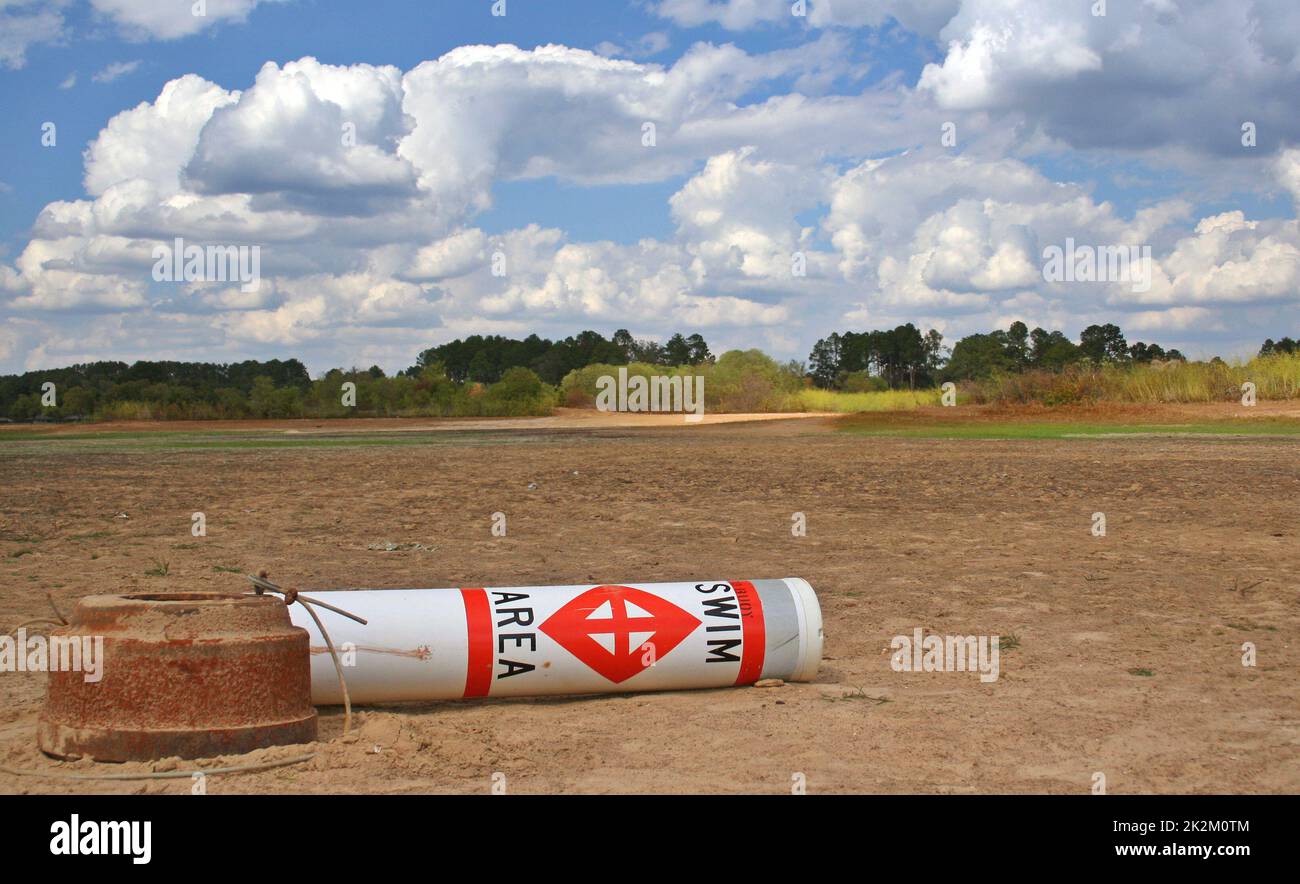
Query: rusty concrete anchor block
188	674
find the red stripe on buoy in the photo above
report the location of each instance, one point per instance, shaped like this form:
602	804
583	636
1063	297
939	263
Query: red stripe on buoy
478	624
752	633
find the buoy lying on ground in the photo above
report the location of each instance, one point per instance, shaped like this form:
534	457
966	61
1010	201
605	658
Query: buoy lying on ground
427	644
188	674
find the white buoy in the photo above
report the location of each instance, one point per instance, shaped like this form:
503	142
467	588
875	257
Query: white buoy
435	644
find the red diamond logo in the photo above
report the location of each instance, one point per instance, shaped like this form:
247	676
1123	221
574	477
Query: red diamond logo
598	628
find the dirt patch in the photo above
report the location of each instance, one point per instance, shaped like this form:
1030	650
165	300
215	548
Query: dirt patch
564	418
956	537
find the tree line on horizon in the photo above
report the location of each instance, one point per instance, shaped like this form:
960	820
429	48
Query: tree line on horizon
903	357
486	358
479	375
1286	345
496	375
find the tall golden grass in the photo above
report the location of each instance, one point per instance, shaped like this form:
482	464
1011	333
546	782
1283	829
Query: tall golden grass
1274	377
852	403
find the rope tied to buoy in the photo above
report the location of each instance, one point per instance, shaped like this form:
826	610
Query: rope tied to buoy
290	595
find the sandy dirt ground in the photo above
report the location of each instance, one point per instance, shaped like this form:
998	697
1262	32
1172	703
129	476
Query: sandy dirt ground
1125	655
563	419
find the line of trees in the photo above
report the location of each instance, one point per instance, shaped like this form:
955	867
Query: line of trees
486	358
1286	345
1018	349
86	389
495	375
905	358
859	361
478	375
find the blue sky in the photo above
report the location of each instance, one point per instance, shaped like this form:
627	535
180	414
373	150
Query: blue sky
379	32
776	135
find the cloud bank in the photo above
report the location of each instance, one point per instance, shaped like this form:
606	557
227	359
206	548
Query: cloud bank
800	208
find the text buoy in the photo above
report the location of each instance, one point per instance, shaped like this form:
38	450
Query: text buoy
431	644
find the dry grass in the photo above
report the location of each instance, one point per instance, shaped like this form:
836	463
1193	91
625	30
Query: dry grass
884	400
1274	377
